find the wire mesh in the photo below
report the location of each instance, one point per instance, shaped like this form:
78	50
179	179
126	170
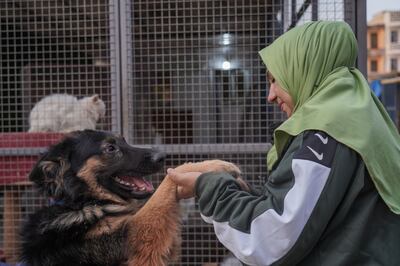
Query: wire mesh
183	76
57	50
54	47
196	82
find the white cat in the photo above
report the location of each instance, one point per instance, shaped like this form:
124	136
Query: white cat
65	113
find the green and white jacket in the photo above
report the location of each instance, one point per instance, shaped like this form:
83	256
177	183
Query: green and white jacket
318	207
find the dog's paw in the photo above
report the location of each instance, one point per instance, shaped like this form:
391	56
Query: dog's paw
243	184
215	166
210	166
222	166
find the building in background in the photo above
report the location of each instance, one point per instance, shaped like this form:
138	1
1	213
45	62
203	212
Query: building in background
383	43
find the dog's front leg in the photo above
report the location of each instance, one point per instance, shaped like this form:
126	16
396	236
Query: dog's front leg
154	231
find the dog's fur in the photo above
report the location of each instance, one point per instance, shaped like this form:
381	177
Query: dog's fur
65	113
96	220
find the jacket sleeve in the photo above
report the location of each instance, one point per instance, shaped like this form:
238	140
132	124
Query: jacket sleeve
285	221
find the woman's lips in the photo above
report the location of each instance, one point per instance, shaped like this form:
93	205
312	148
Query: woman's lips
281	106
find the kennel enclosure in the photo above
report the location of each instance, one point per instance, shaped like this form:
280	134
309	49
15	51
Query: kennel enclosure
182	76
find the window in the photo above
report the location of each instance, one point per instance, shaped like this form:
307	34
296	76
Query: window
393	36
374	66
374	40
393	64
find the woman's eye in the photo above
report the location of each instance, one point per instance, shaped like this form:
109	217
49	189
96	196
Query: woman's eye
270	78
110	148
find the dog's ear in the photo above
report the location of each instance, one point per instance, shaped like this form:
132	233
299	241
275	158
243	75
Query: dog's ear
48	175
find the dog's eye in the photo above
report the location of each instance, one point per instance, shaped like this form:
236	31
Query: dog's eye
110	148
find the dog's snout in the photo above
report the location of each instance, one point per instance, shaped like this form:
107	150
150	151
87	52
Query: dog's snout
158	157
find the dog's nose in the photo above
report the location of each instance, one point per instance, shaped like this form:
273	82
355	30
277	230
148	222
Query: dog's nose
158	157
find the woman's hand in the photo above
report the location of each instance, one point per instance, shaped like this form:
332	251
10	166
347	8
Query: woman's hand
185	182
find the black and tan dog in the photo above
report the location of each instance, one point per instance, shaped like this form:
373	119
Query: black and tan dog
96	182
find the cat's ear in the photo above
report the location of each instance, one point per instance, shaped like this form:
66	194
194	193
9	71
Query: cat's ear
95	98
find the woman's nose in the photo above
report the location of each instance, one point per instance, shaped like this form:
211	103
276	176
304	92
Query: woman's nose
271	95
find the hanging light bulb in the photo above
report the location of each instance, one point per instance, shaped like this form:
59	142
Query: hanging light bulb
226	65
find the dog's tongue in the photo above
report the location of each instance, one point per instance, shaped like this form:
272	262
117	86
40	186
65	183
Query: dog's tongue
139	182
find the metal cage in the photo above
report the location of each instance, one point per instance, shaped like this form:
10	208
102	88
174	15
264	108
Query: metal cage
183	76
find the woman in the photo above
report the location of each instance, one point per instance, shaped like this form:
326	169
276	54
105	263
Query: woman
333	193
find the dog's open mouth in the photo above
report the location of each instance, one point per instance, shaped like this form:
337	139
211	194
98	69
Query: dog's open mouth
134	184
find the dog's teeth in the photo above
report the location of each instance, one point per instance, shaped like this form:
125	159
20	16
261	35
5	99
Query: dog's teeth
142	188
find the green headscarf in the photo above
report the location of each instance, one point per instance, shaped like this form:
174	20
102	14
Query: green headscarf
315	63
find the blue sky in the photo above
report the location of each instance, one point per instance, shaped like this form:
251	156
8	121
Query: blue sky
374	6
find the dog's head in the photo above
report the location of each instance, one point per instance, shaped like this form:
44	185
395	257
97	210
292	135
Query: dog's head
96	165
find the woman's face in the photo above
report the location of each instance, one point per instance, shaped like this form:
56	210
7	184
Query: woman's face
279	96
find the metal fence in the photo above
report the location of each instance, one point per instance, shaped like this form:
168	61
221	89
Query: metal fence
183	76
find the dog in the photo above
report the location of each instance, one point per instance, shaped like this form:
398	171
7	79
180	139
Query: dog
96	183
65	113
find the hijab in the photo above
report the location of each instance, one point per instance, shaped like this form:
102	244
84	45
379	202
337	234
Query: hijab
315	64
